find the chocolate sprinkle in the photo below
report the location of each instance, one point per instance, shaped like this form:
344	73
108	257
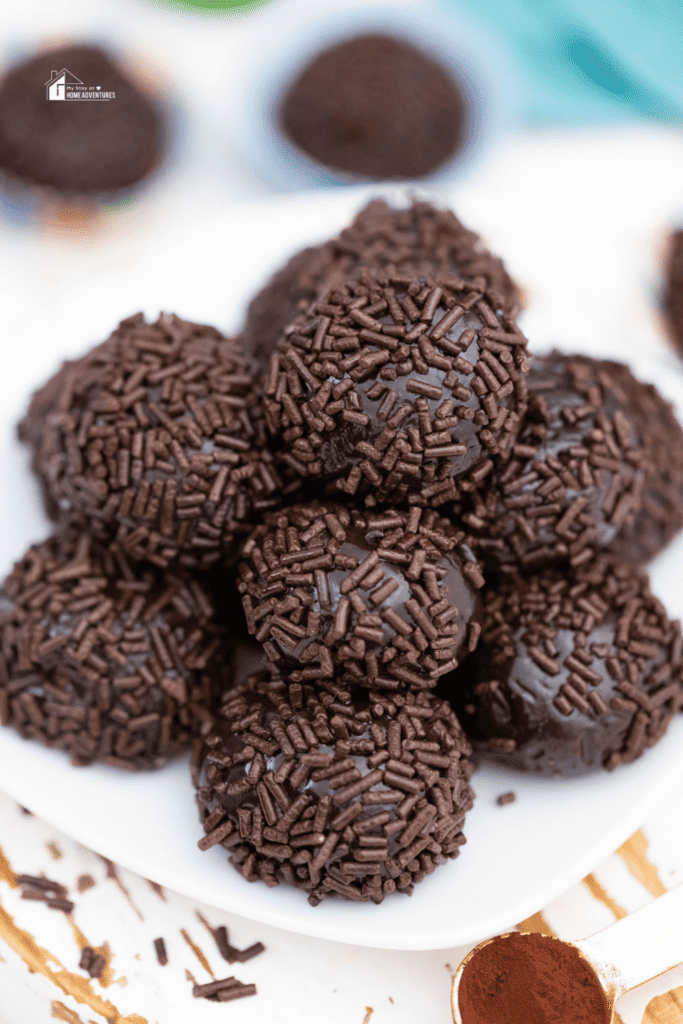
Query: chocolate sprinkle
574	670
376	106
105	661
223	990
506	798
394	389
660	516
358	799
383	599
418	240
577	472
156	434
44	890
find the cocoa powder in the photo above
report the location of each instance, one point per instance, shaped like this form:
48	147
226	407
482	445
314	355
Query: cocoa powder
516	979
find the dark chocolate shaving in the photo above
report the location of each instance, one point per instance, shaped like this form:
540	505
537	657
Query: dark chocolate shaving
92	962
381	599
396	389
377	107
44	890
223	991
104	660
78	146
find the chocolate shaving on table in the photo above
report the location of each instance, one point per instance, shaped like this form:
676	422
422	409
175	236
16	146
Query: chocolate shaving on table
418	239
160	950
223	990
575	670
577	473
156	435
372	817
396	389
44	890
105	660
386	599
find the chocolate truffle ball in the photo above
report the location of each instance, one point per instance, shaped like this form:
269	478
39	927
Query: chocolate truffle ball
673	289
574	671
393	390
157	435
108	662
577	472
377	107
357	799
387	600
77	145
660	516
418	240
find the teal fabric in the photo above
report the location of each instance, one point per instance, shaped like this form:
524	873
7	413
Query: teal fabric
592	60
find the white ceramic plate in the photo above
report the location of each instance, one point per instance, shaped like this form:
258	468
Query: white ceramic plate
58	300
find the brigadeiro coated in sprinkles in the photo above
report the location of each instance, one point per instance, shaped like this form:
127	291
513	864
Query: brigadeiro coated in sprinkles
345	598
106	661
574	671
420	239
660	516
356	799
376	106
393	390
576	474
78	146
156	436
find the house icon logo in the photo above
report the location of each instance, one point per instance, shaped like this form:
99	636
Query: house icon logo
64	85
56	86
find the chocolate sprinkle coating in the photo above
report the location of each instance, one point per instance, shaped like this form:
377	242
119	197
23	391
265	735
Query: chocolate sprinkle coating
78	146
356	799
108	662
156	434
577	472
377	107
660	516
393	389
574	671
418	240
387	599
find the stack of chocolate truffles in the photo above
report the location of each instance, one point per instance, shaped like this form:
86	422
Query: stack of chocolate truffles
346	555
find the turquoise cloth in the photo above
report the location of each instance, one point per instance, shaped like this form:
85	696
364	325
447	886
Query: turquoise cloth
592	60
